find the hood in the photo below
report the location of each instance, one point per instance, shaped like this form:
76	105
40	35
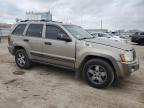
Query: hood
110	43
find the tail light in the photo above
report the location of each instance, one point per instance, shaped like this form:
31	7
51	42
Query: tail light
10	41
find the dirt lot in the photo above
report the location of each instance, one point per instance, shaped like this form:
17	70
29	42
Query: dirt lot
50	87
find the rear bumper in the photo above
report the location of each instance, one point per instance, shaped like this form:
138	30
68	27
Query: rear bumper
11	49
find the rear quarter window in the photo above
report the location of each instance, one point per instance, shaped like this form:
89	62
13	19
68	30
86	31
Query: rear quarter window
19	29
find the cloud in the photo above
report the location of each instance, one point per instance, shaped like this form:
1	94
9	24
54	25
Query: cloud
116	14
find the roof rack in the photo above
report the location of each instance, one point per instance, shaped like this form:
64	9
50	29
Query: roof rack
40	20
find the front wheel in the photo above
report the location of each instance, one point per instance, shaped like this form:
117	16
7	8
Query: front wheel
22	59
98	73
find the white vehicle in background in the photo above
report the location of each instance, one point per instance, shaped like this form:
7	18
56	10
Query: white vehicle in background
109	36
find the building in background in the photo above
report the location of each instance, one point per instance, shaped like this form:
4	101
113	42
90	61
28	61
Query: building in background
5	25
39	16
96	30
5	29
134	31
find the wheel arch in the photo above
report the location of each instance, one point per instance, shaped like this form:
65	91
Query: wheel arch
88	57
18	47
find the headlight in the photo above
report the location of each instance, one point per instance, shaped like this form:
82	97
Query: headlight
127	56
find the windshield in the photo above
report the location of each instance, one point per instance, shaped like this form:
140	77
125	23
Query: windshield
78	32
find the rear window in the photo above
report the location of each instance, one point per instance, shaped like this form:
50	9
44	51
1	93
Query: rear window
19	29
34	30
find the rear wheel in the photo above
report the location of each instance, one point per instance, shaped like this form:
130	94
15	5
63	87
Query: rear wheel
21	59
98	73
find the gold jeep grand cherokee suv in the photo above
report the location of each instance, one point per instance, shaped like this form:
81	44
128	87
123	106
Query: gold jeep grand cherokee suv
100	61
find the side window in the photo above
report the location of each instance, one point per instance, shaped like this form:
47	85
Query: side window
53	32
19	29
34	30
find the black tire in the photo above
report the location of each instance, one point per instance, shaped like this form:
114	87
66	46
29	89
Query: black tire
23	65
105	73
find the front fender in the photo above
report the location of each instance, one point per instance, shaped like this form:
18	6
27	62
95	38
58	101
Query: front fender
113	58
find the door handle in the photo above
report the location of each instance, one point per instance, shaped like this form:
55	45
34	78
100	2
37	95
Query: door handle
48	43
26	40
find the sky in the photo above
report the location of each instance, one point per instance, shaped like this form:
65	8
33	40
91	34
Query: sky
115	14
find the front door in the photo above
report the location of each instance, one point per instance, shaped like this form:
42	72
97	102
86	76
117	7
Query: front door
57	51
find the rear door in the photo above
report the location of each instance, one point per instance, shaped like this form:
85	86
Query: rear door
33	37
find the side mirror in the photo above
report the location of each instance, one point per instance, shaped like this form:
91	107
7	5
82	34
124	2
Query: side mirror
64	37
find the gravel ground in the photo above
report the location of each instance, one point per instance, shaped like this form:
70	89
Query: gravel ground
49	87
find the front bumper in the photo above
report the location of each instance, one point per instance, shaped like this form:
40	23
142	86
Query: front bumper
126	68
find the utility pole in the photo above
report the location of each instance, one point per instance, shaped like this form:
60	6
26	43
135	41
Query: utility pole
101	25
0	35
